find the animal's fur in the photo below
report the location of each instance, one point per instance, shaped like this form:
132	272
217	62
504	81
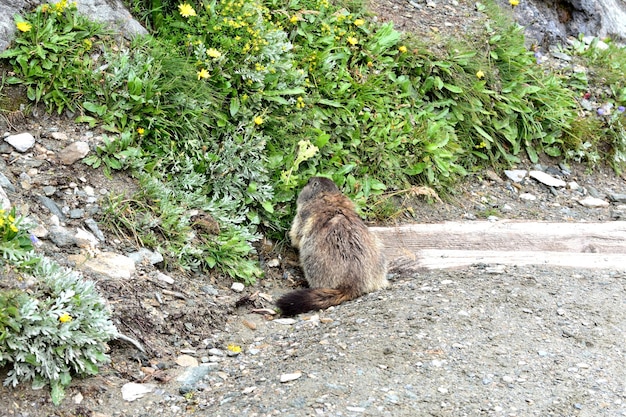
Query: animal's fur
341	259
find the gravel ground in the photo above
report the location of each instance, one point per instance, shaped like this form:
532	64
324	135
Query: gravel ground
487	340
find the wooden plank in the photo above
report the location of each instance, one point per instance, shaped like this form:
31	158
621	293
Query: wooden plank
430	259
459	244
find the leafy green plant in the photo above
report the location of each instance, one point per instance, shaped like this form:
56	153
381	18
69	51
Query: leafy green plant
55	330
54	55
57	327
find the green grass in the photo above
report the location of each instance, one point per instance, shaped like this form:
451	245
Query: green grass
228	110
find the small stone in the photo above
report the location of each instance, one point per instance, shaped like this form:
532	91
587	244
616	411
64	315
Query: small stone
516	175
77	213
216	352
74	152
274	263
237	287
78	398
355	409
21	142
93	226
5	183
146	255
132	391
527	197
164	278
112	265
593	202
186	361
49	190
285	321
290	377
5	203
84	239
442	390
618	198
546	179
573	185
507	379
59	136
250	325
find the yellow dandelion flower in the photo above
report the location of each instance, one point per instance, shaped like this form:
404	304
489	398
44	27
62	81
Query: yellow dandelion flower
186	10
13	228
294	19
402	49
141	131
24	26
352	40
64	318
513	2
480	75
213	53
258	120
203	74
359	22
45	8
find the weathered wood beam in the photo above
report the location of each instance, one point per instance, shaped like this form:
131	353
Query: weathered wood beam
460	244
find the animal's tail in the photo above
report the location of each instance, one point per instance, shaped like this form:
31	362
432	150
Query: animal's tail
307	299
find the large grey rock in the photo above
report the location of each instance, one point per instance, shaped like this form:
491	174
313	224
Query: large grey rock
547	22
111	12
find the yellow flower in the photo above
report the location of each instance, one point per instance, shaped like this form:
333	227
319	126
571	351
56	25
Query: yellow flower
294	19
186	10
402	49
13	228
64	318
359	22
513	2
213	53
23	26
234	348
258	120
480	75
352	40
44	8
141	131
203	73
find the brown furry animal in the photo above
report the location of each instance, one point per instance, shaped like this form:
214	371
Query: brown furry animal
341	259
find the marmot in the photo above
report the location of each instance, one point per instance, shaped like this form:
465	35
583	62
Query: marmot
341	259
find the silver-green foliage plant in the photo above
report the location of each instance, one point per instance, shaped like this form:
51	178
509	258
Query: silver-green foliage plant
55	329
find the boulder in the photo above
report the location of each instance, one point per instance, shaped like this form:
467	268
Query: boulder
111	12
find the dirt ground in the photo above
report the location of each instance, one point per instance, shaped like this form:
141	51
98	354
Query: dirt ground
487	340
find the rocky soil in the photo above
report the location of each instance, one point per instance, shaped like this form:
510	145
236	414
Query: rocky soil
488	340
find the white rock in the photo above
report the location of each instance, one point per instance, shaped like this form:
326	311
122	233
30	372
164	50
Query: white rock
74	152
273	263
593	202
21	142
284	321
527	197
132	391
163	277
573	185
85	240
5	203
78	398
112	265
546	179
237	287
290	377
516	175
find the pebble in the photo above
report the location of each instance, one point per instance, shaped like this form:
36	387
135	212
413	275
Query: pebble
274	263
186	361
618	198
290	377
74	152
527	197
110	264
516	175
21	142
237	287
546	179
284	321
593	202
132	390
5	203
